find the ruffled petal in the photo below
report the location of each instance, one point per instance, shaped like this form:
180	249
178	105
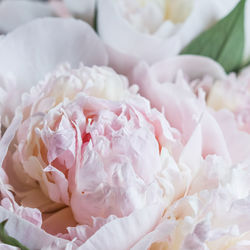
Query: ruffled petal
124	232
27	233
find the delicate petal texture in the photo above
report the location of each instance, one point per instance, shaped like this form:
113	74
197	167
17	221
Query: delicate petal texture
88	163
232	93
29	55
9	135
7	247
14	13
7	199
178	89
94	146
168	39
23	230
208	220
57	222
7	109
124	232
17	12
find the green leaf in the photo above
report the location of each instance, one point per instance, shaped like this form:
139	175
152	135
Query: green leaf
6	239
224	42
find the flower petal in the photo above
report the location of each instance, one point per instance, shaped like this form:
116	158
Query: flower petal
35	49
22	230
126	231
17	12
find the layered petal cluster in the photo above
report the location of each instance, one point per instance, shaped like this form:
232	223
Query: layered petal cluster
93	145
171	86
207	220
232	94
23	222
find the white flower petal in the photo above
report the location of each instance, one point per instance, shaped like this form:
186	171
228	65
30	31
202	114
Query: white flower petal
26	233
35	49
17	12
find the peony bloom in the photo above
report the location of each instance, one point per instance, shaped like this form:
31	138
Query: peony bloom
93	165
78	149
162	28
93	157
88	150
88	163
170	86
17	12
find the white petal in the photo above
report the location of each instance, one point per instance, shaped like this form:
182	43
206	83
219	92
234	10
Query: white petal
123	233
37	48
17	12
8	136
82	9
27	233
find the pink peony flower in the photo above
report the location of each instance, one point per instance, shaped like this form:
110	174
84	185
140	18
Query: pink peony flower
86	154
99	157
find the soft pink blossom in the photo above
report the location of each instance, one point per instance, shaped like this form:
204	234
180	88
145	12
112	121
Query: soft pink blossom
169	85
94	155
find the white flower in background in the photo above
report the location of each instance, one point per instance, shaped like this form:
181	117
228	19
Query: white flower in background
154	30
147	15
14	13
83	9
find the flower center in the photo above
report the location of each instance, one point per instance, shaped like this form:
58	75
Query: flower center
148	15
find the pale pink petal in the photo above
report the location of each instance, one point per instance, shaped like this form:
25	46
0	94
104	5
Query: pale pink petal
9	135
123	233
57	222
157	235
29	55
22	230
17	12
213	139
7	247
191	155
238	141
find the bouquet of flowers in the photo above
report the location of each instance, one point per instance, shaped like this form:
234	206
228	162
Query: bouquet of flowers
125	124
